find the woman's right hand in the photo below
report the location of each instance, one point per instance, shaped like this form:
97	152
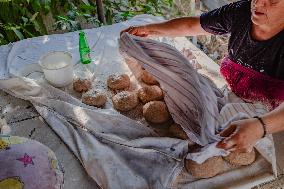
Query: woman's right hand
141	31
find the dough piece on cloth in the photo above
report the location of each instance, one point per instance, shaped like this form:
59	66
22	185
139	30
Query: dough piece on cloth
94	97
125	100
82	85
210	168
147	78
177	131
239	158
117	82
156	112
150	93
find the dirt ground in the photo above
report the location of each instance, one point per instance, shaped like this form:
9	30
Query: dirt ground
276	184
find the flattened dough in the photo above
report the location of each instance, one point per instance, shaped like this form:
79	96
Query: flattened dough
147	78
238	159
117	82
210	168
125	101
94	97
150	93
156	112
82	85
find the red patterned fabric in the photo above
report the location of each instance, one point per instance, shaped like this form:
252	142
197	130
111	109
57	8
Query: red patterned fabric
252	85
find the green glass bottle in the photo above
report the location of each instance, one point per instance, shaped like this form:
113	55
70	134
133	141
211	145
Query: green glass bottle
84	49
84	70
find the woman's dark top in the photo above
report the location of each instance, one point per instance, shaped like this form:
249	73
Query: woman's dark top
263	56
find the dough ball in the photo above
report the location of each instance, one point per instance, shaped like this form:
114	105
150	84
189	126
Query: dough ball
117	82
82	85
156	112
94	97
125	101
210	168
238	158
177	131
147	78
150	93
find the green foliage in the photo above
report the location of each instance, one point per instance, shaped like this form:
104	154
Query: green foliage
71	20
120	10
20	19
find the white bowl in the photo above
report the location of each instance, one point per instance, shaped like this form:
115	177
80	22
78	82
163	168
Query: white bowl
57	68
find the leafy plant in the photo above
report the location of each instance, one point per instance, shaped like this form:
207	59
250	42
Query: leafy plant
71	20
20	19
120	10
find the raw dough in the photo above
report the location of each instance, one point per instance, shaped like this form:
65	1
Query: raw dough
150	93
116	81
156	112
238	159
210	168
82	85
176	131
94	97
147	78
125	101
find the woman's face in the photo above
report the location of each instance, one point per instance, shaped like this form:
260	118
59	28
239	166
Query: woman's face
267	12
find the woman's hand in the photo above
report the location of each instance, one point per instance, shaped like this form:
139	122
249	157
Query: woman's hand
141	31
241	135
178	27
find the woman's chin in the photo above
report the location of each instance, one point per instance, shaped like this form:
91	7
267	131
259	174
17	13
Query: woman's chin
258	21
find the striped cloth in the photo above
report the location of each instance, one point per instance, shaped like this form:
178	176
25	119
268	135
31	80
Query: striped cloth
193	101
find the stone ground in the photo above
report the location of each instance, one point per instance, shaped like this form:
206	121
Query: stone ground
277	184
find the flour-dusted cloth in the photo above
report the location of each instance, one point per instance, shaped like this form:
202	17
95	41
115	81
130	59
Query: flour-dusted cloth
117	152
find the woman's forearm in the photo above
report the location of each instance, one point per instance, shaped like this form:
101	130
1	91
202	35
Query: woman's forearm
186	26
242	135
274	120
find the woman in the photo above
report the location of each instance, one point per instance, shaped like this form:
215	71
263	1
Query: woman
254	67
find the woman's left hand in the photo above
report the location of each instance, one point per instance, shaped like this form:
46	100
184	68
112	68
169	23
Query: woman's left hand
241	135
